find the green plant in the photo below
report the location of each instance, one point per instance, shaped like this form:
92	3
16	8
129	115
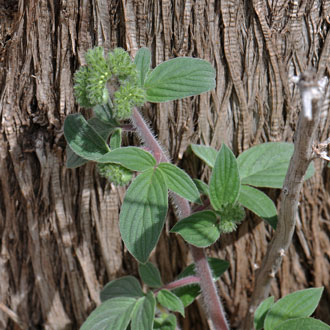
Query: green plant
291	312
113	86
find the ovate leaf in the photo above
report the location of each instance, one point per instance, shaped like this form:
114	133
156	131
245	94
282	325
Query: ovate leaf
142	61
303	323
266	165
261	312
170	301
179	182
143	213
127	286
178	78
83	139
297	304
225	181
112	314
133	158
259	203
143	314
150	275
207	154
199	229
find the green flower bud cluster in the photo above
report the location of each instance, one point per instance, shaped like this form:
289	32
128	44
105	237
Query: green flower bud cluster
115	173
91	81
230	217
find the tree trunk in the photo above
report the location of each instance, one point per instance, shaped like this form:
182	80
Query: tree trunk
59	227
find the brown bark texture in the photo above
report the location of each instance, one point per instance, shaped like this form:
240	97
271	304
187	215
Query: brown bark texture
60	241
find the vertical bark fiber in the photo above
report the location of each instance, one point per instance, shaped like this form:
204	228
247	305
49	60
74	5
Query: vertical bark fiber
60	241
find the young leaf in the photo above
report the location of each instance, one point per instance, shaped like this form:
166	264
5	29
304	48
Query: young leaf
207	154
150	275
225	181
133	158
265	165
115	141
83	139
112	314
178	78
259	203
297	304
143	213
143	314
170	301
166	322
260	313
188	293
199	229
202	187
303	323
142	61
179	182
126	286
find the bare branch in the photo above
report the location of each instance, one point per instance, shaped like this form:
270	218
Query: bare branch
312	91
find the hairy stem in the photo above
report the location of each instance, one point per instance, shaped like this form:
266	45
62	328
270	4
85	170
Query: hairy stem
302	156
202	268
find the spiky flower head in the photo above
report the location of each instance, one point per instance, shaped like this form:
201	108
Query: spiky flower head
114	76
230	217
115	173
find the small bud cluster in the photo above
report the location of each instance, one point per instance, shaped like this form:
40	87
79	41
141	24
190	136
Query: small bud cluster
230	217
115	173
91	82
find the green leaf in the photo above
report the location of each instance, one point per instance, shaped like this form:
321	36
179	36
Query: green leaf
297	304
104	113
188	293
127	286
266	165
115	141
150	275
303	323
167	322
178	78
259	203
113	314
225	180
170	301
207	154
199	229
101	128
143	213
83	139
261	312
143	314
133	158
202	187
179	182
142	61
73	160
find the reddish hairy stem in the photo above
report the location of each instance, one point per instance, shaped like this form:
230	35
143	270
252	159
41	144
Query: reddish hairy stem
208	288
179	283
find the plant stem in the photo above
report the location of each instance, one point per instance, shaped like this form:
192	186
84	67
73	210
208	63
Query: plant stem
302	156
179	283
203	271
